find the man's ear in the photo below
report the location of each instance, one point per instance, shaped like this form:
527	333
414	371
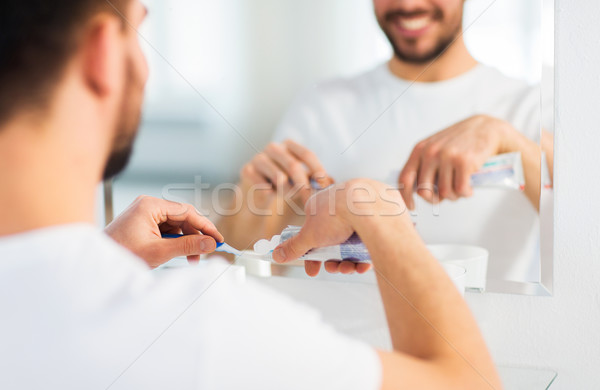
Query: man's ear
103	55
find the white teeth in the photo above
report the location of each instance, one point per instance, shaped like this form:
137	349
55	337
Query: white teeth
414	23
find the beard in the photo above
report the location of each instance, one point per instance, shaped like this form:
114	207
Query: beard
421	58
117	161
126	128
413	57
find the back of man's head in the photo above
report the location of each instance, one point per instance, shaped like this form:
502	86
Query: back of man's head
37	38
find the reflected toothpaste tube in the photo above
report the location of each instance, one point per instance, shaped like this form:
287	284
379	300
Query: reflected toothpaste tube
503	171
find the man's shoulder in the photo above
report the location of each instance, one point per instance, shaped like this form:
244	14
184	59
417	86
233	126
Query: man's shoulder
501	83
95	298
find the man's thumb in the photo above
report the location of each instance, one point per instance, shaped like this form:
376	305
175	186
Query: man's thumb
189	245
292	248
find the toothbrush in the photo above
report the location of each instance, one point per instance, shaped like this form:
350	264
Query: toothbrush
224	247
221	246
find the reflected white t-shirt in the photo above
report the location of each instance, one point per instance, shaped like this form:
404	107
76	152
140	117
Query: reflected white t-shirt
367	126
80	312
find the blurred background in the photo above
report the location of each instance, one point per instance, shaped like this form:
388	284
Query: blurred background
222	72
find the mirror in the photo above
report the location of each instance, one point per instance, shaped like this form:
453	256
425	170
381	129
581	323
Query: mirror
224	74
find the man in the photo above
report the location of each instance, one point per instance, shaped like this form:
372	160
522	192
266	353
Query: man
424	121
80	311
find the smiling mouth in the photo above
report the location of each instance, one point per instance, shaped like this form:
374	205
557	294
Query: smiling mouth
413	23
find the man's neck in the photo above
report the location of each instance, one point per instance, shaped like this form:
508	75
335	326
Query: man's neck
45	182
453	62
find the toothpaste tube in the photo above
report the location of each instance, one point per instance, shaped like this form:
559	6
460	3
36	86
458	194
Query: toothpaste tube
352	249
501	171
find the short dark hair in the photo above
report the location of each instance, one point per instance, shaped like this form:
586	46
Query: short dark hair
37	37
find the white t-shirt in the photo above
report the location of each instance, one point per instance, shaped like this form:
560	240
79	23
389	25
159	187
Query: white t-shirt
80	312
367	126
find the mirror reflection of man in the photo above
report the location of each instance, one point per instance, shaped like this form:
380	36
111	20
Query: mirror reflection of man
427	119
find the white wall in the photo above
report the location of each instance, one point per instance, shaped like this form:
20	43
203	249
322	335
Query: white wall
563	332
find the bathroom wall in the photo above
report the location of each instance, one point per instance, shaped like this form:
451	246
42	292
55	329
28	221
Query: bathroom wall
563	332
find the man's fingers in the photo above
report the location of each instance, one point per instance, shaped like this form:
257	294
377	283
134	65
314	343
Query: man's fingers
187	229
194	259
332	266
446	182
361	268
182	214
192	245
249	174
292	248
347	267
267	168
312	268
305	155
297	162
323	179
408	177
406	185
426	180
462	182
292	166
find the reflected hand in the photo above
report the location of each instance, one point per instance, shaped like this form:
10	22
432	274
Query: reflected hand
139	229
440	167
287	167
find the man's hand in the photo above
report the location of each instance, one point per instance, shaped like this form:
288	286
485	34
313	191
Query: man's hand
139	229
440	167
416	313
274	187
350	202
287	167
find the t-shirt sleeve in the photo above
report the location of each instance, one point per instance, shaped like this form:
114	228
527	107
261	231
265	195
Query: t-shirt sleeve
275	343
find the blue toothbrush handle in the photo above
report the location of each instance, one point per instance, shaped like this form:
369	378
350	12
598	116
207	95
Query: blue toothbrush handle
165	235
